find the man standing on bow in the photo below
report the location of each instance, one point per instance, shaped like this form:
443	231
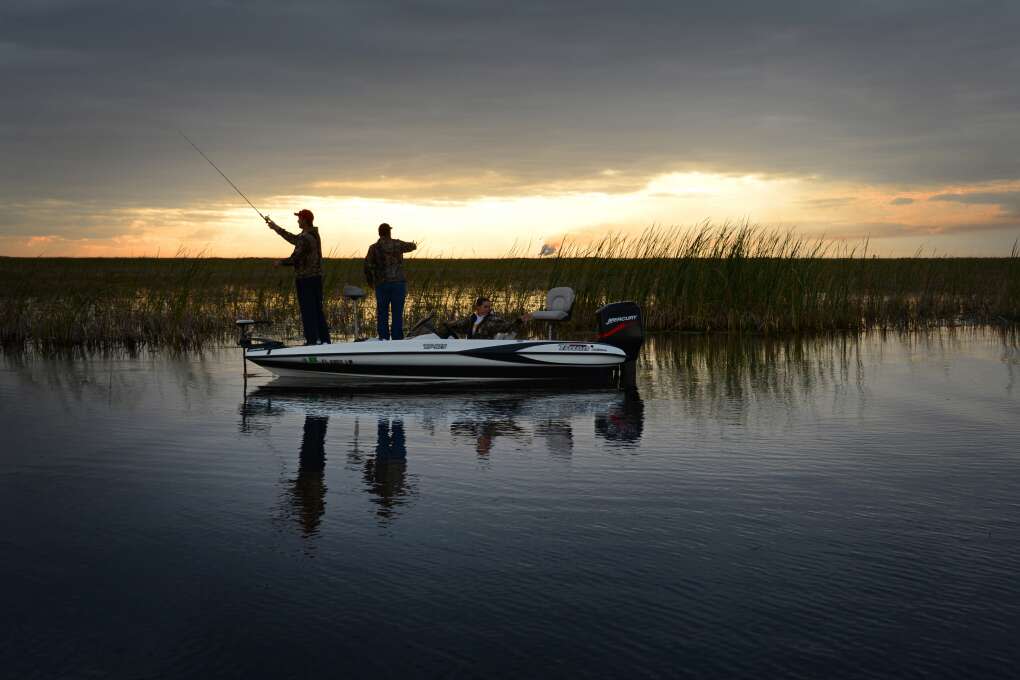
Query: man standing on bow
384	269
307	262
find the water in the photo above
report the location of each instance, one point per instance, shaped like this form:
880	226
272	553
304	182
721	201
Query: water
826	508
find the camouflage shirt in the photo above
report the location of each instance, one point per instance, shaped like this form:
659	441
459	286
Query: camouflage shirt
385	261
487	329
307	256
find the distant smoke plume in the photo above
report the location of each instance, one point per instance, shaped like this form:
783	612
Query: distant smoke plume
547	250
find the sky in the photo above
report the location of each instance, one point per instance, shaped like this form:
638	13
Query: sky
479	128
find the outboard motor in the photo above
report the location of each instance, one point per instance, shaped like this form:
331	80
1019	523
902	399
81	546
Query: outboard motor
620	325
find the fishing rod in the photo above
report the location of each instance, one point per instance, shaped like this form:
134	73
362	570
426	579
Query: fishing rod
195	147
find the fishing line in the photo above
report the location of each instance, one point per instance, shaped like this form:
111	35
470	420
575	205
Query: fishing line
195	147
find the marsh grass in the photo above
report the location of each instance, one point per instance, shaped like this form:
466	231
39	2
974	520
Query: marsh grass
735	279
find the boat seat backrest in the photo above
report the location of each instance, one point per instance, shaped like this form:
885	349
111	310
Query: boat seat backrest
559	299
558	303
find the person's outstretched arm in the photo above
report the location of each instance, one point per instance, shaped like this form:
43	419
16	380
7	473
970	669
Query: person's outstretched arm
459	327
501	325
289	237
407	246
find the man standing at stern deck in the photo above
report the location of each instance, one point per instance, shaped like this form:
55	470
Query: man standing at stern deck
307	262
384	269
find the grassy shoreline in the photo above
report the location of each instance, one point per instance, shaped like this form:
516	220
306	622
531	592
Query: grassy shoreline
737	281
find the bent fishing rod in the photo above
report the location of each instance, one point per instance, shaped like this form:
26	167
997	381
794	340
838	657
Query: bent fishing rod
195	147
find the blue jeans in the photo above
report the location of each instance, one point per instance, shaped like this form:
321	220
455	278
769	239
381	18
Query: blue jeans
389	295
313	321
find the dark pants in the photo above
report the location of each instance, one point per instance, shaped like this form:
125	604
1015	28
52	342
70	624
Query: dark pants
390	445
309	491
390	295
309	297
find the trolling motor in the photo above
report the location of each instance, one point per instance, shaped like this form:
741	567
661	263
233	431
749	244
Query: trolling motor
247	342
245	327
620	325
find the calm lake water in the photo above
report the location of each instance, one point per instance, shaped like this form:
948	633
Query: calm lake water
818	509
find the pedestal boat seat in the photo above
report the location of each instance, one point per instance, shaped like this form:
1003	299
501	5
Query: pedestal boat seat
355	295
559	302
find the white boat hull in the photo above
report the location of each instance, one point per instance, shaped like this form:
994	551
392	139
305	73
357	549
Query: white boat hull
430	358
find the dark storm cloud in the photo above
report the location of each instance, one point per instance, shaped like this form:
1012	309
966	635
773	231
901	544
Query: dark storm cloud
284	94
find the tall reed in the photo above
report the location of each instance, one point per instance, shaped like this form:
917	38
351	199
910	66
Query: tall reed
731	278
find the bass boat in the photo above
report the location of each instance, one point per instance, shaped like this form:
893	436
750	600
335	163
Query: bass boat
430	357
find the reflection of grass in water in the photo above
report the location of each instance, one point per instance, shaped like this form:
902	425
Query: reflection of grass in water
734	279
726	374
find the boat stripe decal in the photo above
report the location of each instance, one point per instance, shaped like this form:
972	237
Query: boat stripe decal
498	349
616	329
498	353
522	372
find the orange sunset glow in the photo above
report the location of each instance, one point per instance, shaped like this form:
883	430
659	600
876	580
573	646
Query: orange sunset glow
480	132
892	222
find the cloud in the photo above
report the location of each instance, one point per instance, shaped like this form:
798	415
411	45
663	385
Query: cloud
827	203
455	101
480	183
59	220
287	94
1007	201
875	230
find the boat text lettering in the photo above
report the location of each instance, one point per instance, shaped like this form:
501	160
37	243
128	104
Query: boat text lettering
575	347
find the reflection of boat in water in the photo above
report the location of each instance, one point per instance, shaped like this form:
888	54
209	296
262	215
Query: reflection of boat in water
521	414
623	422
485	432
522	417
432	358
386	474
308	491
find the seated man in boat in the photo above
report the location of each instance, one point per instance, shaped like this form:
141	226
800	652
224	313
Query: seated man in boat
483	323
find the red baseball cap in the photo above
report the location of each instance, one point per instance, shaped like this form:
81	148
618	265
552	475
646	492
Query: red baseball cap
305	214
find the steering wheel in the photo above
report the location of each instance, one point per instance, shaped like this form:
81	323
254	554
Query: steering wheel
425	323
